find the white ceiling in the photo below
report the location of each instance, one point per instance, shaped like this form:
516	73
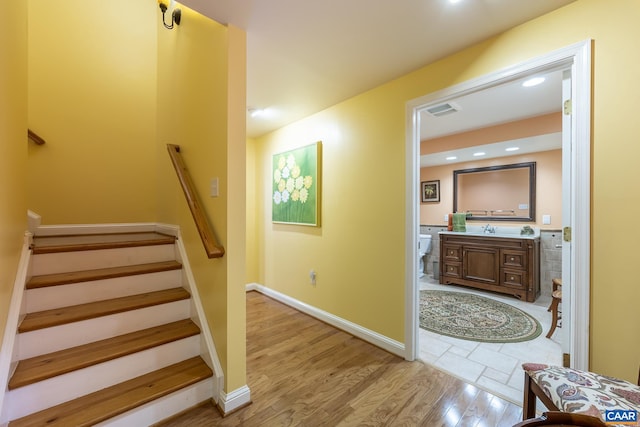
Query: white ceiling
501	104
305	56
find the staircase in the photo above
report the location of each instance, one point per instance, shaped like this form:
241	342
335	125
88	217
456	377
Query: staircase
110	334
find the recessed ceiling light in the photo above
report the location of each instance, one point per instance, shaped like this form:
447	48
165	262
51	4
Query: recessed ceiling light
535	81
479	153
512	149
451	158
454	1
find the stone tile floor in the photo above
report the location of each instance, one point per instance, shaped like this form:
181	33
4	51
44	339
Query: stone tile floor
490	366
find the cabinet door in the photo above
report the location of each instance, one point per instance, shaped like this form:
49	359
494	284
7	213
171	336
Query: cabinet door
452	252
513	278
513	259
481	264
451	269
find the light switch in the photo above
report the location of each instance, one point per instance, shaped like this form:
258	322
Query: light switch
213	187
546	219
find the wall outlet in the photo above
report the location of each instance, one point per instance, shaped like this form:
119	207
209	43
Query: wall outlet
446	218
312	277
546	219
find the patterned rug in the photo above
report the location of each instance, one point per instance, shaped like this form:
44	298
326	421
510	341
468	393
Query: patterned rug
475	318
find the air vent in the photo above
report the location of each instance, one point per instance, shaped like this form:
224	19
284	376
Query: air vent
443	109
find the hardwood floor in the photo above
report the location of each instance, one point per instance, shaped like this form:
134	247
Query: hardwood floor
304	372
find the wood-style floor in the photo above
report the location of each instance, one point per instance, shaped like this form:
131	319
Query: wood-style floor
303	372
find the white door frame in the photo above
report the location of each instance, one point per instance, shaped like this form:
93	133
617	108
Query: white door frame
576	57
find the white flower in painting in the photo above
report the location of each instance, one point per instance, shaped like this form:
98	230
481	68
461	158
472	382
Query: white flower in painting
303	195
295	171
291	161
277	176
299	182
282	185
277	197
290	185
285	172
308	180
281	162
285	196
295	196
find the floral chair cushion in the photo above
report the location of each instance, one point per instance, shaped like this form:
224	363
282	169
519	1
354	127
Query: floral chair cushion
584	392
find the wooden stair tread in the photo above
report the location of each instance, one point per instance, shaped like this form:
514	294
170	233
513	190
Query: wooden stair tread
86	242
40	368
107	403
100	274
64	315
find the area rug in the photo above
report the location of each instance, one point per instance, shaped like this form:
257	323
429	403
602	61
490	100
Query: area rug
475	318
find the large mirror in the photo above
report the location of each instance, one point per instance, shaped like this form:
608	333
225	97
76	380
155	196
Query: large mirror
496	193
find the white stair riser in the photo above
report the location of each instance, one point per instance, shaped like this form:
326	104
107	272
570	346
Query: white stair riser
79	293
56	338
53	391
88	260
165	407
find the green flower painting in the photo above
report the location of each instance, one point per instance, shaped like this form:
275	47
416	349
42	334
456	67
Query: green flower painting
296	186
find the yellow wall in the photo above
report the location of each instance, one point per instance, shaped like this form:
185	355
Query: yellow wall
13	145
548	188
203	114
92	96
359	250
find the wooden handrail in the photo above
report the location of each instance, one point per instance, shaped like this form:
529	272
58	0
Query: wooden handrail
211	246
35	138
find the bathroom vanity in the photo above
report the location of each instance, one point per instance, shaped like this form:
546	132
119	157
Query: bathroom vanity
505	263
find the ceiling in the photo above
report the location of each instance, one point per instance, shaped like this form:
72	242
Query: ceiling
497	105
305	56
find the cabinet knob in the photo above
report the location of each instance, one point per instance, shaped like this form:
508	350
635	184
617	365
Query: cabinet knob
450	268
511	278
512	258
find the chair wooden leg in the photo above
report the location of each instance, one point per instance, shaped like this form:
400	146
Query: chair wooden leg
554	316
532	392
529	400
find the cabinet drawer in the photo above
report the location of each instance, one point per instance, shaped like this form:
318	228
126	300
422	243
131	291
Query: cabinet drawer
452	269
452	252
512	278
513	259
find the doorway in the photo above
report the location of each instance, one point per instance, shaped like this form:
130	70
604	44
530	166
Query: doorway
576	59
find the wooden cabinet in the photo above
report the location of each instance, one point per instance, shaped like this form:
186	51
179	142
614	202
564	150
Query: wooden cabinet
500	264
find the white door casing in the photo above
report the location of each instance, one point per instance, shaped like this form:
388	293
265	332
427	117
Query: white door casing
576	57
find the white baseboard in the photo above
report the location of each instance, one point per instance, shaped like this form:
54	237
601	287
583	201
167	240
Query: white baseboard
386	343
234	400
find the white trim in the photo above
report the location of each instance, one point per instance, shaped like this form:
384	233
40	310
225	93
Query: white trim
9	348
581	169
212	356
412	223
386	343
236	399
33	220
577	55
58	230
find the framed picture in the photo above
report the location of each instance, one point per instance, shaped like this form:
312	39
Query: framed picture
430	191
295	194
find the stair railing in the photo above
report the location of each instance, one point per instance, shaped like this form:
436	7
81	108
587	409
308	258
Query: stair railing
211	246
35	138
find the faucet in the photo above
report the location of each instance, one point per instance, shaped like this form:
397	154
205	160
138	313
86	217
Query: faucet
488	229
